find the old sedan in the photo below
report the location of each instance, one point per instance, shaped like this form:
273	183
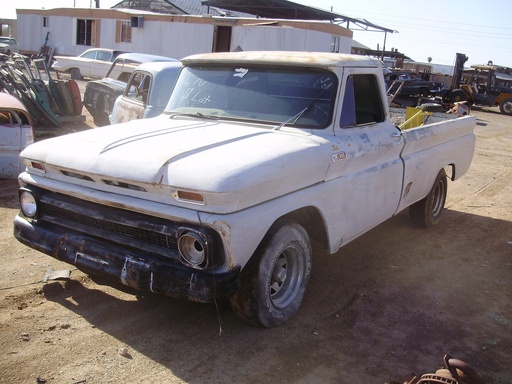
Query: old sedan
147	92
16	133
100	95
92	63
8	45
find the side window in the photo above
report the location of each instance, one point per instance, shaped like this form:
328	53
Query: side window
348	109
105	56
89	55
139	87
362	102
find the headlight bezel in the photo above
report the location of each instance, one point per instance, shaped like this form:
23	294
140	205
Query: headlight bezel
194	248
29	203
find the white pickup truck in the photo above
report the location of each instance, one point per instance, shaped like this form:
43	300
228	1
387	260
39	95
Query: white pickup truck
256	155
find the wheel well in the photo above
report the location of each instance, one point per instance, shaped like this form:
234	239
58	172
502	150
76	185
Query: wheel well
450	171
312	221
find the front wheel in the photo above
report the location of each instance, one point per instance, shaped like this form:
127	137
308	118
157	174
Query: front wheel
457	95
427	212
273	282
506	107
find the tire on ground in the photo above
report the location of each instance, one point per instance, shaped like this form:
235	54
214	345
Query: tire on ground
506	106
427	212
274	280
75	74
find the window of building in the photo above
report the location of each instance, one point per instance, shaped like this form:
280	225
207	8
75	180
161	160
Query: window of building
123	31
85	32
45	22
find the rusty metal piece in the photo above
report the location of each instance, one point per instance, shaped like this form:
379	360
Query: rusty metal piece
463	371
455	372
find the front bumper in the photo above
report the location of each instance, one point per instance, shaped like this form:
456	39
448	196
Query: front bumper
128	266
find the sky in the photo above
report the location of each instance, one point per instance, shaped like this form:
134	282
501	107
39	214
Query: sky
436	29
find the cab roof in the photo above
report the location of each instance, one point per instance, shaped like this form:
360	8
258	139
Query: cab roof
288	58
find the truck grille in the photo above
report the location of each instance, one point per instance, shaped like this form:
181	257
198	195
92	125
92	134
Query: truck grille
157	239
105	224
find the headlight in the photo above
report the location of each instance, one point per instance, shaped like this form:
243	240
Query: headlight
28	203
192	247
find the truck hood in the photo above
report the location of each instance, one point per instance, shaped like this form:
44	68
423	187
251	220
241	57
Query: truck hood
234	165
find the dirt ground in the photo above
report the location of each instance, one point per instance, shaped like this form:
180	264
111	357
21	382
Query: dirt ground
388	305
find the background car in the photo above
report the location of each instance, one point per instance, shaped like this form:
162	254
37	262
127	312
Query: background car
8	45
92	63
147	92
100	95
412	85
16	133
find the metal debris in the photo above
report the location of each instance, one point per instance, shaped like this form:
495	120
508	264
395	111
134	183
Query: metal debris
49	101
56	275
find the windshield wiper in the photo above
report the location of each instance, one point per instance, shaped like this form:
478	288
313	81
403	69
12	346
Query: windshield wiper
296	117
196	114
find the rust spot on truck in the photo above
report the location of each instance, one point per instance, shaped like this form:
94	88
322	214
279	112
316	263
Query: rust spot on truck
407	189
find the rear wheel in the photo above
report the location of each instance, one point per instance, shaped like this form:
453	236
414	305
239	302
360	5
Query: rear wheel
427	212
75	74
506	107
273	282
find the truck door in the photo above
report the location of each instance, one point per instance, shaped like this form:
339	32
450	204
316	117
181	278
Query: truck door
131	104
366	163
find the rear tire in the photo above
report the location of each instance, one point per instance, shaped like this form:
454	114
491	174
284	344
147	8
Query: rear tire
427	212
506	107
75	74
273	282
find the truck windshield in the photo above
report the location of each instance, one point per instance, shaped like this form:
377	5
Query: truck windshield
291	96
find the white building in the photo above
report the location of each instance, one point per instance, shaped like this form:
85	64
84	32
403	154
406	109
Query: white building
71	31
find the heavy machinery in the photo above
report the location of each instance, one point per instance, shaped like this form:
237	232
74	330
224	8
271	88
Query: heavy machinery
485	85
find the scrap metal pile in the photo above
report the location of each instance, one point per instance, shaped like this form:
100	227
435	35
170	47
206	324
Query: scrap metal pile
49	101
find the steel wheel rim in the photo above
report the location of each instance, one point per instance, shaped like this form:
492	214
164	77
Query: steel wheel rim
438	203
286	277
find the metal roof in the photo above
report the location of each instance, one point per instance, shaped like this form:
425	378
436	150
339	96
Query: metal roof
177	7
271	9
283	9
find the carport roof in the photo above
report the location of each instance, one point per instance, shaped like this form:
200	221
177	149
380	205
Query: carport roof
283	9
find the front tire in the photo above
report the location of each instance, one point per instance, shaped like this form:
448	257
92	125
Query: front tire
427	212
458	95
273	282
